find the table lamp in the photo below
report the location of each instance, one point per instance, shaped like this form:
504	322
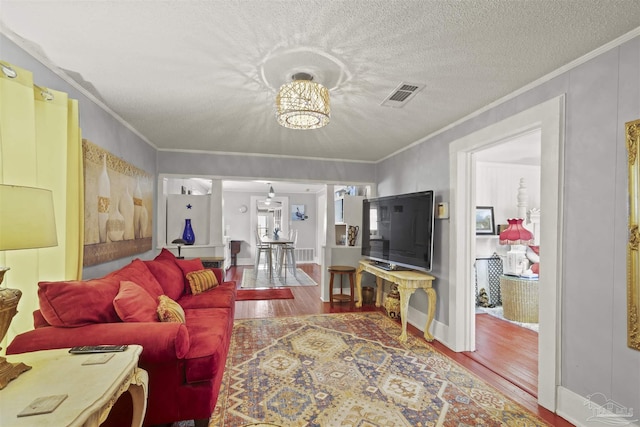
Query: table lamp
519	238
179	242
27	221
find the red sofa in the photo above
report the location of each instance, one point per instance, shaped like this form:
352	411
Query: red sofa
185	361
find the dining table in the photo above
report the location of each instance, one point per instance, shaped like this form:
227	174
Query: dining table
274	244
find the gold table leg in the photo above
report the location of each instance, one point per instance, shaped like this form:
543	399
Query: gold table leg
431	294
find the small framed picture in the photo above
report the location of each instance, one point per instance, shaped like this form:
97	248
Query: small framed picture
297	213
485	223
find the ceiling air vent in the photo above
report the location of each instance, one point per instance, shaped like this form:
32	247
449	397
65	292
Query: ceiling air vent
402	94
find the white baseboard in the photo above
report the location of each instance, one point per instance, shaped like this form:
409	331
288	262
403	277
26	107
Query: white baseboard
439	330
583	412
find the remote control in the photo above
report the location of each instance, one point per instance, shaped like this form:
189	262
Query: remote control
84	349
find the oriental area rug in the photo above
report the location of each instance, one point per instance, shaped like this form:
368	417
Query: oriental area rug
252	278
349	369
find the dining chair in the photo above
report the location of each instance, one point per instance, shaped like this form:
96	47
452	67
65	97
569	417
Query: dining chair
262	248
288	255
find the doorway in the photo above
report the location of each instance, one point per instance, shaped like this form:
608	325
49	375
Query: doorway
266	218
507	184
549	118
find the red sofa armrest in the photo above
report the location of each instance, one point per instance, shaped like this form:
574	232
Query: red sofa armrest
161	341
220	274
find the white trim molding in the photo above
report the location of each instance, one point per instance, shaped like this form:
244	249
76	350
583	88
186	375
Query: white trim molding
585	412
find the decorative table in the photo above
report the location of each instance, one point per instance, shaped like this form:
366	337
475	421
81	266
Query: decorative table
407	281
91	389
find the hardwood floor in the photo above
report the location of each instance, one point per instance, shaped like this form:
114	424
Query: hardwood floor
508	350
506	355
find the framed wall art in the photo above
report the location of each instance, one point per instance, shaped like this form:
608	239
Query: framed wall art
485	222
118	206
297	213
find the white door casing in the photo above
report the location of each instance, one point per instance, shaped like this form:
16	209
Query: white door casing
549	118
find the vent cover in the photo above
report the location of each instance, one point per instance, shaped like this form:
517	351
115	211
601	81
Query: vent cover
402	94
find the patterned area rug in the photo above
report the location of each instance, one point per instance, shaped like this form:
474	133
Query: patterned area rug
251	279
350	370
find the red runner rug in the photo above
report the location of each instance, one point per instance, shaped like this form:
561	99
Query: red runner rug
262	294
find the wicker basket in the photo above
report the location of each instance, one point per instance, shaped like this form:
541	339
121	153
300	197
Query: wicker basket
519	299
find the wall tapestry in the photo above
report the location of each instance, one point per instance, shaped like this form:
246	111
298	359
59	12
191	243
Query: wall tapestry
118	207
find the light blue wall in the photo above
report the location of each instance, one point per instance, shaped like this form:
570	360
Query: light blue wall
601	95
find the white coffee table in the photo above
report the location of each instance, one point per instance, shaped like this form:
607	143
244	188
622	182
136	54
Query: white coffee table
92	389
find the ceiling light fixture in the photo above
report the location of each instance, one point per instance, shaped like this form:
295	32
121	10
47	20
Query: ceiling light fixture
303	104
271	192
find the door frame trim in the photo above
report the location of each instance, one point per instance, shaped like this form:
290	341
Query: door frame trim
549	118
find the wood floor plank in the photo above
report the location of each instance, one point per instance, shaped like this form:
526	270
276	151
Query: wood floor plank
506	355
509	350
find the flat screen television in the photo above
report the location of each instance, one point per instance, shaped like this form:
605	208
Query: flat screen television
397	231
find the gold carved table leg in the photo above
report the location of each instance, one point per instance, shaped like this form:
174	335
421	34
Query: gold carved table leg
358	286
405	294
431	312
379	286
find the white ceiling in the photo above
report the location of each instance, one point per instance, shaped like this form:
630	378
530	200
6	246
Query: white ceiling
202	75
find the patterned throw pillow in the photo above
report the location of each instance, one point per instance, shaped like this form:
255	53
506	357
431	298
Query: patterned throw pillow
202	280
169	310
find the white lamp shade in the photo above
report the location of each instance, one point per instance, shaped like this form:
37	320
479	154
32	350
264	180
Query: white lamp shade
27	218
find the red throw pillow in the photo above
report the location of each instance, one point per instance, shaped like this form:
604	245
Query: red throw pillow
134	304
138	272
78	303
187	266
168	275
166	254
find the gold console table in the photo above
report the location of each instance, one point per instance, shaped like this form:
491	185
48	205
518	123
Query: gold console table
407	281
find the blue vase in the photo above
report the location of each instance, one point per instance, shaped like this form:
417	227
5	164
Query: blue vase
188	235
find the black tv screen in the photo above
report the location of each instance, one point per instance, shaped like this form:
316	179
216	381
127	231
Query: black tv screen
397	230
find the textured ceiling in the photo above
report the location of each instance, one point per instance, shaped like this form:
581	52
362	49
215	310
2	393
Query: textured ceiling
202	75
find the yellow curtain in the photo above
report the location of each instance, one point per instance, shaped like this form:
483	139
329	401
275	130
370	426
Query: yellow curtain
75	195
51	135
39	147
